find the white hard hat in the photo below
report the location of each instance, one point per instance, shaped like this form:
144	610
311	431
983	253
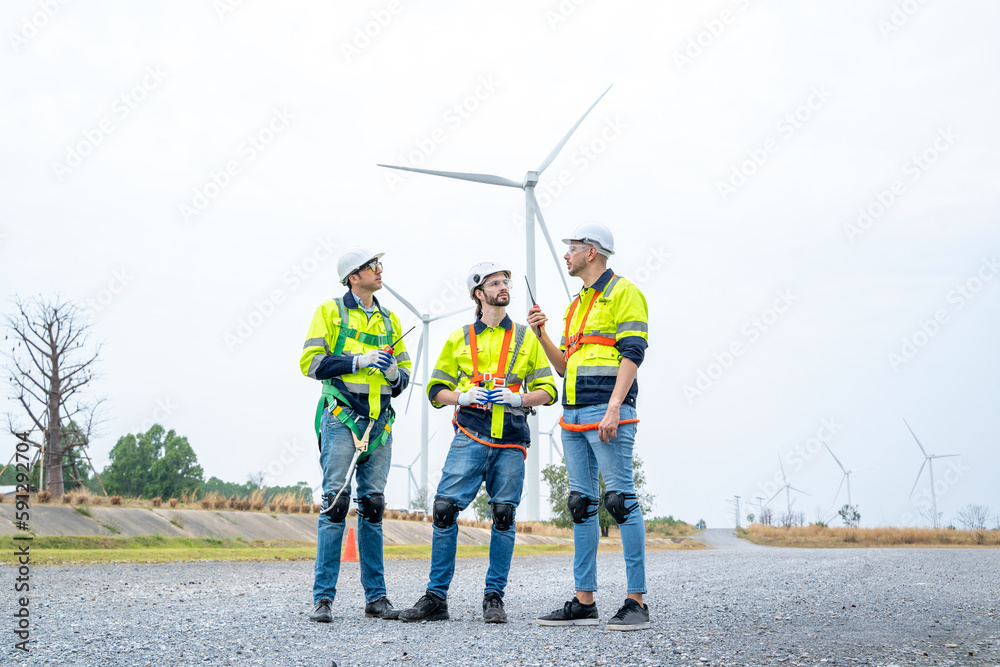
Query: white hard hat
596	235
354	259
478	274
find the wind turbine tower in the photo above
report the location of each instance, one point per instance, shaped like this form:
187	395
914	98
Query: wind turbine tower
787	488
532	213
929	462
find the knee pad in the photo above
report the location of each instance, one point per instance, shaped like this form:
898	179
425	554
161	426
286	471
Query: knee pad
503	516
620	505
371	507
336	513
579	506
445	512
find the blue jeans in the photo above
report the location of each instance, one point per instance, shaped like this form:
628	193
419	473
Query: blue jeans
468	465
335	458
585	456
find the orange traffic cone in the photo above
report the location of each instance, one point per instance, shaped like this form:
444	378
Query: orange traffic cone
351	550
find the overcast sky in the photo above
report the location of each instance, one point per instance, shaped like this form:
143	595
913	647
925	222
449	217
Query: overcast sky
807	195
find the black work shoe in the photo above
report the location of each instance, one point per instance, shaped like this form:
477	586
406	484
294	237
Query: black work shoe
428	608
572	613
493	608
381	608
632	616
321	613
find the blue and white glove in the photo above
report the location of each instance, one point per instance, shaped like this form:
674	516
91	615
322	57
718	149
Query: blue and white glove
504	396
392	372
474	395
380	359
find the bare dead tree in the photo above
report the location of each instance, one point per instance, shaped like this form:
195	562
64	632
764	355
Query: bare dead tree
974	517
50	362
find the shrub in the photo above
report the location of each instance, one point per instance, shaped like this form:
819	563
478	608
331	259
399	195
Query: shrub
156	502
205	504
43	496
257	504
67	498
116	500
96	500
283	507
172	502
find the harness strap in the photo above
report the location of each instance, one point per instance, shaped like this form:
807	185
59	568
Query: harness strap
459	427
574	342
373	443
579	428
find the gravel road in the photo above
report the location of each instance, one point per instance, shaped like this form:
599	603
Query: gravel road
719	606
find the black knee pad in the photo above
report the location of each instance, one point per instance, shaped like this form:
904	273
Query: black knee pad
371	507
579	506
336	513
620	505
445	512
503	516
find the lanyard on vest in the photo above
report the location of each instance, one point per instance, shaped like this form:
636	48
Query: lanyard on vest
574	342
501	374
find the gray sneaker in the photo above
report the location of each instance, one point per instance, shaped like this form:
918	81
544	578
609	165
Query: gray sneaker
632	616
493	608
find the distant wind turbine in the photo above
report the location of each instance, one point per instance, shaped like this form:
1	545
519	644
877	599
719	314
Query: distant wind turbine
929	462
787	488
845	478
532	212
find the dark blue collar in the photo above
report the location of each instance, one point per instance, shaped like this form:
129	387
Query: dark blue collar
602	282
350	301
505	323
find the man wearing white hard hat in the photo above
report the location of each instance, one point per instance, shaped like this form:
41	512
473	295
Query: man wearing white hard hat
493	372
604	339
354	347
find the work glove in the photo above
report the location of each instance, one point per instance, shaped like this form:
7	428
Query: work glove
380	359
474	395
504	396
392	372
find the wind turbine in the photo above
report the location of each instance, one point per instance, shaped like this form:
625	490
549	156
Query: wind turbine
411	480
552	442
787	488
423	345
532	212
928	459
846	477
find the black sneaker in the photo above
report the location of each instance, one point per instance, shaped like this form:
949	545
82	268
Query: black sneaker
493	608
321	612
572	613
381	608
632	616
428	608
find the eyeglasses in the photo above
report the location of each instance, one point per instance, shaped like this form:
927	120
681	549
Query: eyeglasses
577	247
497	283
374	265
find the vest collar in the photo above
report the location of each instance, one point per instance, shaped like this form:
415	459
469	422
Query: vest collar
351	301
505	323
602	282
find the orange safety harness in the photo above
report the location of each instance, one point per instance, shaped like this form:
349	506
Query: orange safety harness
574	342
497	379
579	428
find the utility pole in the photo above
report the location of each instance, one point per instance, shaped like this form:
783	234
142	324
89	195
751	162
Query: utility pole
763	537
738	512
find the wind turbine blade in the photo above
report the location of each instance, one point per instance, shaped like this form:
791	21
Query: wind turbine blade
919	472
454	312
835	457
413	371
799	490
915	438
415	461
838	489
477	178
942	456
559	147
548	239
775	495
783	478
402	300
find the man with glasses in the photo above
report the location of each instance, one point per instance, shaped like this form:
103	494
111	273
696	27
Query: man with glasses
603	343
348	348
482	371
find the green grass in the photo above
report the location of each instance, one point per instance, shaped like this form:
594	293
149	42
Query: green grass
84	549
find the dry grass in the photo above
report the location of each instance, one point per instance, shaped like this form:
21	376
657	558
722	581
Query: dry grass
116	500
172	502
43	496
818	536
156	502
